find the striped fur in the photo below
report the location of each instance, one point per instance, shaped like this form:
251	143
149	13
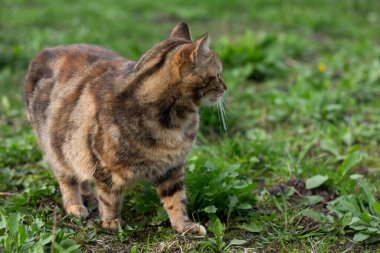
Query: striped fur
101	118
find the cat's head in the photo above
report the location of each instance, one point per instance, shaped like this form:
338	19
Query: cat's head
199	68
191	68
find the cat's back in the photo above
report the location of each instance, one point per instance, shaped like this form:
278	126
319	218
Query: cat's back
59	89
61	73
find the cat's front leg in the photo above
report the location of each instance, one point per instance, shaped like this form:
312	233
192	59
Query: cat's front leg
170	187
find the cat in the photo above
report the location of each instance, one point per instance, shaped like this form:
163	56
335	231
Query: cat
103	119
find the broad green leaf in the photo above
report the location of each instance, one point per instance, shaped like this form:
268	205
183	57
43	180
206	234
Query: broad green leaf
365	217
330	145
352	159
365	187
3	221
361	227
320	217
346	219
306	149
70	245
13	223
46	240
355	220
347	206
134	249
74	248
190	168
236	242
356	176
218	228
376	208
344	204
348	138
312	200
359	237
288	192
373	230
232	201
315	181
5	103
210	209
244	206
21	234
254	159
37	248
218	232
252	227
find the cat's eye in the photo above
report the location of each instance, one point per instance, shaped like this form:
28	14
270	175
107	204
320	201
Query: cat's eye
208	79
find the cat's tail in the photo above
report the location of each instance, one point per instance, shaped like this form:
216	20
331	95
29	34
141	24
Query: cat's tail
38	69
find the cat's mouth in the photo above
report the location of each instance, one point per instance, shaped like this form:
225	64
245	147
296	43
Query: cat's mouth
220	94
212	96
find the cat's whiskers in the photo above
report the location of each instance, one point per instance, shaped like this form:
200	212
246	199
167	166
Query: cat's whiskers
225	116
222	113
225	104
219	117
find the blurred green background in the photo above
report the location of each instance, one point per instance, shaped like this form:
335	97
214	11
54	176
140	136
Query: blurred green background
296	171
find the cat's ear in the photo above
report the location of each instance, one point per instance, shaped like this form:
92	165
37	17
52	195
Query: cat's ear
201	48
196	50
181	31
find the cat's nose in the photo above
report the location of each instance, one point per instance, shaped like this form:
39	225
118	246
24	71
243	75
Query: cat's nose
221	92
224	85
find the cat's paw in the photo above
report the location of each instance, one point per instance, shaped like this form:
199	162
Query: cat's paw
77	210
111	224
191	228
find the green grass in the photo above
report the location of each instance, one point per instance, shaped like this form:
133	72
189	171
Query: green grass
297	170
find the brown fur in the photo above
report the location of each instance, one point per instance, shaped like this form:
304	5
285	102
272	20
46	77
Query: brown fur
101	118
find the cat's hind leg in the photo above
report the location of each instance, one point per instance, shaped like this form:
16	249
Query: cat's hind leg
170	187
88	195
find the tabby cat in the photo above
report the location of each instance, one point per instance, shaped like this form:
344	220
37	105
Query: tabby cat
101	118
